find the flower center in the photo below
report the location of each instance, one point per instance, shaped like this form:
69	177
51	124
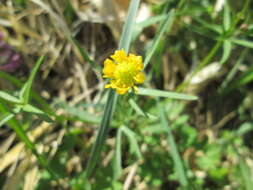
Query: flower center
125	73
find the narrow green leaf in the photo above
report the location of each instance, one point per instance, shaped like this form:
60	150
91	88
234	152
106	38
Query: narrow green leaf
26	90
127	33
226	17
117	165
139	111
233	71
165	94
179	167
227	48
5	118
165	26
241	42
208	25
138	28
134	148
81	114
9	97
31	109
102	134
136	107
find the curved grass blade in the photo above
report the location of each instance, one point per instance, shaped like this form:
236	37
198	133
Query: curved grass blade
26	90
233	71
174	150
242	42
5	118
138	28
165	26
102	133
117	163
165	94
128	28
227	49
9	97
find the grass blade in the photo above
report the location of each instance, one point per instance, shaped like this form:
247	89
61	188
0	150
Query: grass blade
241	42
233	71
174	150
213	27
138	28
165	26
26	90
9	97
226	17
102	133
134	148
128	28
5	118
165	94
117	169
227	48
112	97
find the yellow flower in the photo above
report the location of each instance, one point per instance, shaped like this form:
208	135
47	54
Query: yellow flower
124	71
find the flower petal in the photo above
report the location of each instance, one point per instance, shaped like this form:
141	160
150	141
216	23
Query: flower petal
139	78
137	60
122	90
108	86
119	56
109	68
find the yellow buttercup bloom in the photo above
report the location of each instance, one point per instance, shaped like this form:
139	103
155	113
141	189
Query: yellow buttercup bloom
124	71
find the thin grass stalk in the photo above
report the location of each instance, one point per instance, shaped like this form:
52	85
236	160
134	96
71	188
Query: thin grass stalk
165	26
179	167
233	71
112	96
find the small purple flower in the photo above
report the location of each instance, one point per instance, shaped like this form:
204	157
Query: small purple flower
9	59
